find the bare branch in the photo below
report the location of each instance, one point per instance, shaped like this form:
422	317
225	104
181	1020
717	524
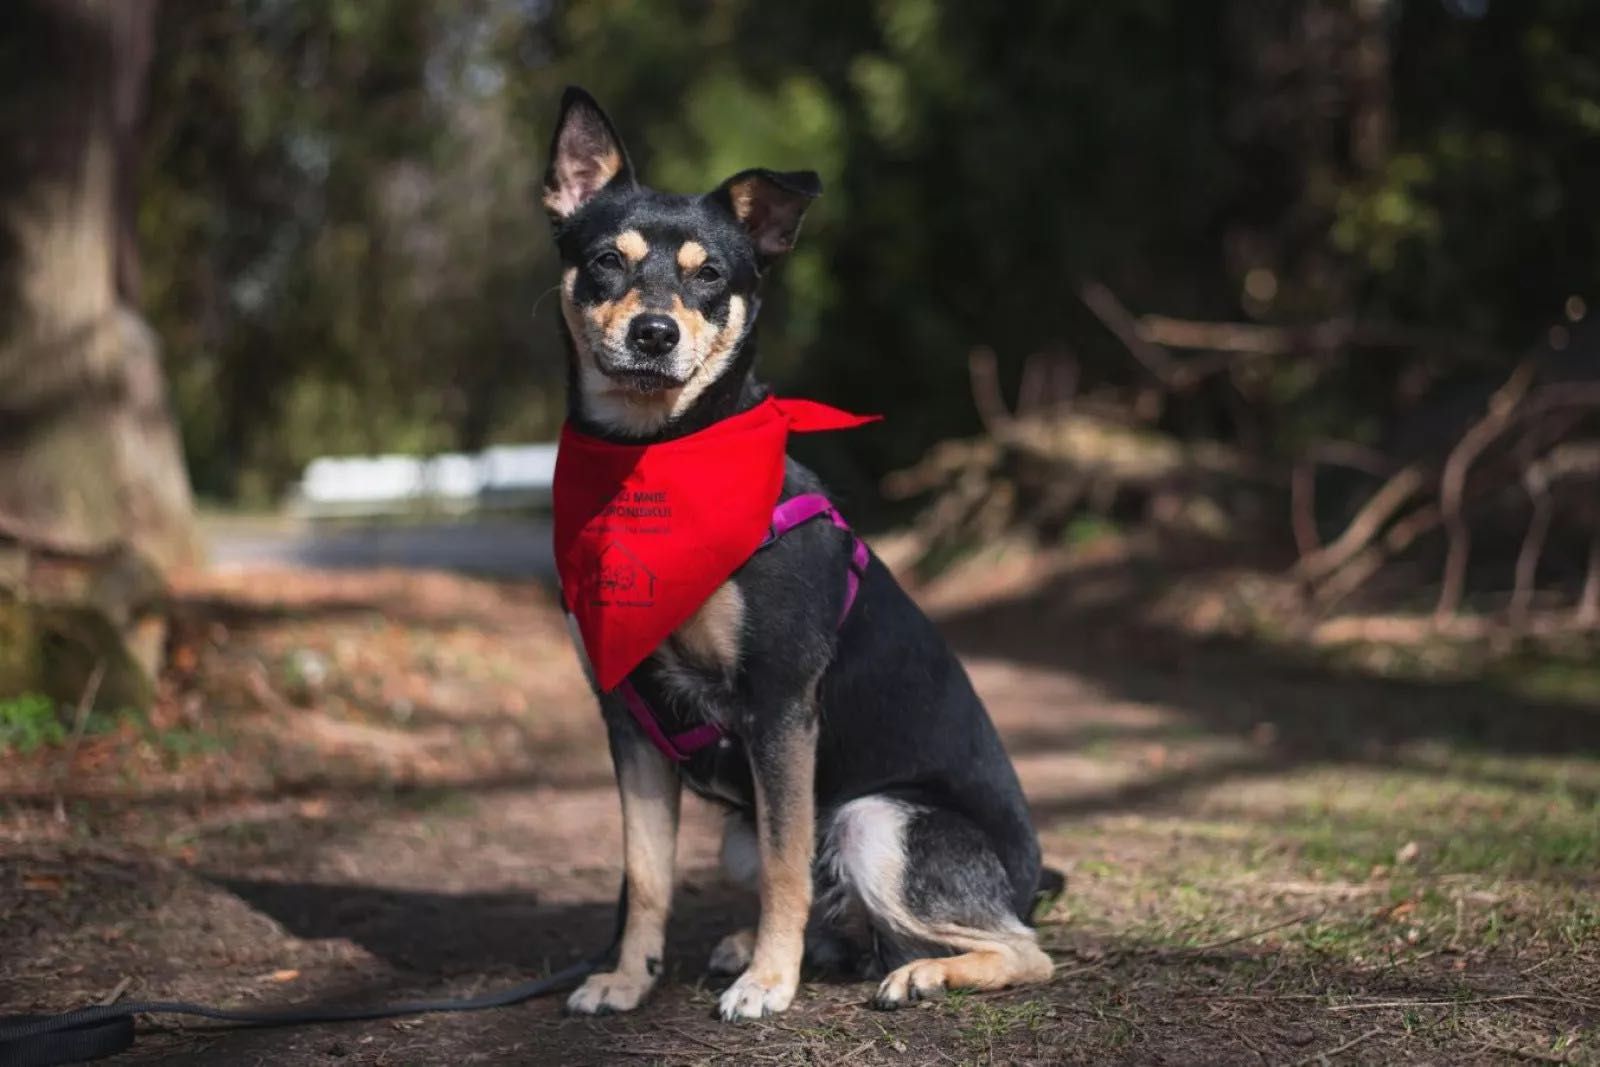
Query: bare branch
1367	524
1509	404
1303	507
1452	484
984	370
1255	339
1120	321
1528	555
1589	601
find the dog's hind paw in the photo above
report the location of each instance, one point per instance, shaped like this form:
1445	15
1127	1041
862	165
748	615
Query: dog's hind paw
614	991
752	997
919	980
733	953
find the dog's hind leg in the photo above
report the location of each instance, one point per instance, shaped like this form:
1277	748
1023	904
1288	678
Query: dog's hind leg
741	866
650	791
826	950
937	898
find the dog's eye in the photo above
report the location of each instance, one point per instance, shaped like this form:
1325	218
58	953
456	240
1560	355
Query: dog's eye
707	274
608	260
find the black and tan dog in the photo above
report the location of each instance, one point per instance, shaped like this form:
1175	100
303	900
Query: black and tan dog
872	804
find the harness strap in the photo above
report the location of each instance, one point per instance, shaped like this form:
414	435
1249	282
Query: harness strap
796	511
676	747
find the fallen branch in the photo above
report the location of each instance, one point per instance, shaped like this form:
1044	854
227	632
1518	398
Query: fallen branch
1536	1055
1225	942
1255	339
1502	998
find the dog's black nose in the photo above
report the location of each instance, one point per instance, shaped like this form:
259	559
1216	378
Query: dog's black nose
652	335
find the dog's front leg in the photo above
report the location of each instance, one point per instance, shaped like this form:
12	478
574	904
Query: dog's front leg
650	788
783	755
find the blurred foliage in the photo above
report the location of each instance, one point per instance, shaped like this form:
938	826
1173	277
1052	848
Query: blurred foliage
345	253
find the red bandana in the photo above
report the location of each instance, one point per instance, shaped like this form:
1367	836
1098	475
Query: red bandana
644	534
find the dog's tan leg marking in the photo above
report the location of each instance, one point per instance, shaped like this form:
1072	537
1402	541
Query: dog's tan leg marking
996	966
650	791
786	839
733	952
712	635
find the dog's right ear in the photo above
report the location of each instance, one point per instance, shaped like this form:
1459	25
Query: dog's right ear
586	155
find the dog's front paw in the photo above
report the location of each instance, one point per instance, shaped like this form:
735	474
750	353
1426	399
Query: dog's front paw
754	996
733	953
613	991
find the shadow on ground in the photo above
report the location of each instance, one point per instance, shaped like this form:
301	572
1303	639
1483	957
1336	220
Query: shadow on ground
1302	712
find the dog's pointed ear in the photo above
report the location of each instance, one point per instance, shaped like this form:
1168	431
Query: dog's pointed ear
586	155
770	205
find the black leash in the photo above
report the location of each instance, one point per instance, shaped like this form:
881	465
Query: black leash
106	1029
102	1030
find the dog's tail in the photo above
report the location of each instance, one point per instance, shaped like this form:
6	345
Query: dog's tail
1051	887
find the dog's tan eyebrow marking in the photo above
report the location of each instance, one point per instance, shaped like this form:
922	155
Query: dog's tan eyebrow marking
632	245
691	256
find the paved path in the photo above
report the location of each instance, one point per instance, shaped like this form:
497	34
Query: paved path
503	548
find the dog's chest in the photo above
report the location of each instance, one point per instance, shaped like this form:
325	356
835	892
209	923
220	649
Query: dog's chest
712	638
697	666
694	674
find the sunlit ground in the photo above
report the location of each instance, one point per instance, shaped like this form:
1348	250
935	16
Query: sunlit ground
368	784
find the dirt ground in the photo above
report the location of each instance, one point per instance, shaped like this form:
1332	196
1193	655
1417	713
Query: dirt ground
371	785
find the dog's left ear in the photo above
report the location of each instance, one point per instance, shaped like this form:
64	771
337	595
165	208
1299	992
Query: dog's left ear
770	204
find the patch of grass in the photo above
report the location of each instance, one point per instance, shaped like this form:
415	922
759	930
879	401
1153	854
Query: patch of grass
33	721
1561	668
987	1021
440	802
1086	529
174	743
30	722
1548	678
1554	843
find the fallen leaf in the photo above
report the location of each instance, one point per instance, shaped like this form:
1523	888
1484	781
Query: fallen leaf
1396	911
43	883
315	808
286	975
1407	852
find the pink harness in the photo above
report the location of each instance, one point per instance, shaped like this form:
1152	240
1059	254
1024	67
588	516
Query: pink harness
785	517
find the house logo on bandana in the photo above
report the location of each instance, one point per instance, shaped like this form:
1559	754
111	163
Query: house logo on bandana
621	579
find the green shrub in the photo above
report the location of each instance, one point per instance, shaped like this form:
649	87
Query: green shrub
30	721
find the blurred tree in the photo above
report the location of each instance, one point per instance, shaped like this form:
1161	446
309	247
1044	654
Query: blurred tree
94	499
343	254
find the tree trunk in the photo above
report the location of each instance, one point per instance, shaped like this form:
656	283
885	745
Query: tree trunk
94	499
